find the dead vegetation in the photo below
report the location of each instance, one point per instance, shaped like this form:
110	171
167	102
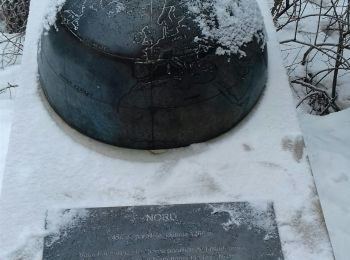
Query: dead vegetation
316	50
13	17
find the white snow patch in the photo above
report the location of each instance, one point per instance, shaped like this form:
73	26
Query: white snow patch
8	75
5	126
60	221
231	24
53	7
328	142
253	215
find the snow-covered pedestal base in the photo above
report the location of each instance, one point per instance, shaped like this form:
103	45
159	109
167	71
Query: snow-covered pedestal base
49	165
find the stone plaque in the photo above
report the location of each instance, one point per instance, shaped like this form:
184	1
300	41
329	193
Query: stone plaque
235	231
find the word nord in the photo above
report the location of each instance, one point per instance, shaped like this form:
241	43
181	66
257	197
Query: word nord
161	217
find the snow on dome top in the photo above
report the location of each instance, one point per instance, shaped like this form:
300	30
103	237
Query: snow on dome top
52	8
230	23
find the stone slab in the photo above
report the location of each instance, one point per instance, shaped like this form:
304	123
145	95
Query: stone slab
232	231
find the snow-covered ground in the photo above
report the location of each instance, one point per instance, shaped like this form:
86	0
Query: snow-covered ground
9	75
5	126
327	140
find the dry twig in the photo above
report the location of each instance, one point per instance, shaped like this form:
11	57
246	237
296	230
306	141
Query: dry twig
333	19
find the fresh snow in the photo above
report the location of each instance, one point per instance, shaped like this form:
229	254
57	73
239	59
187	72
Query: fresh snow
328	143
59	220
327	138
9	75
254	215
52	7
232	24
212	180
50	166
5	127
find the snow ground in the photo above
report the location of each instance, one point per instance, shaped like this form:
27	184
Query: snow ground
51	166
328	144
6	112
9	75
327	138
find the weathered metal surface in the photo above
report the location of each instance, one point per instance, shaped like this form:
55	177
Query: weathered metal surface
135	77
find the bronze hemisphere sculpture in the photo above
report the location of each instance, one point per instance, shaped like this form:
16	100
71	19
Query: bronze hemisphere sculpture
154	74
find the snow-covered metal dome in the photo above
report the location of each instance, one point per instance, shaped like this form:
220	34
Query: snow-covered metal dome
154	74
